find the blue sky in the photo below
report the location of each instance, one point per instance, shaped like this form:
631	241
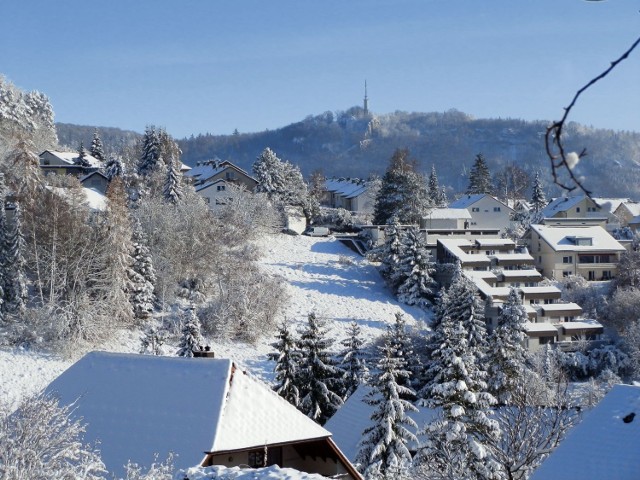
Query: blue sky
213	65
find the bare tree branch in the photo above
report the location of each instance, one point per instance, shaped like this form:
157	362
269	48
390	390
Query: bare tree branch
553	137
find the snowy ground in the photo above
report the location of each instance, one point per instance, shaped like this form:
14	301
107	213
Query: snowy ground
322	275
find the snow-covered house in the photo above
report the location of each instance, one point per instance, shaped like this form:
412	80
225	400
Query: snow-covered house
211	180
65	163
352	194
206	411
627	212
578	206
96	181
604	445
495	266
486	211
446	218
588	251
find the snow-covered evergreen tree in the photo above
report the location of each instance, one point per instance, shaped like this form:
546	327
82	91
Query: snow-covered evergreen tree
538	198
384	448
403	192
287	368
391	254
152	340
321	379
97	149
353	361
14	275
479	177
114	167
268	172
403	348
436	194
172	184
453	441
151	152
4	258
142	275
191	339
81	159
416	268
507	356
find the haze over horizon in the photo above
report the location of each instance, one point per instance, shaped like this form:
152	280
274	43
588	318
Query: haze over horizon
198	67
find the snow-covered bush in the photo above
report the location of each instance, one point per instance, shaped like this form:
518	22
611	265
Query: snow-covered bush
157	470
219	472
41	440
245	305
590	296
592	362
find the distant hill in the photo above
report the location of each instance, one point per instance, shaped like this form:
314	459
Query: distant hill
114	139
352	144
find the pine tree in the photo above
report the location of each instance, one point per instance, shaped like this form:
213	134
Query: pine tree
453	440
479	177
384	451
15	278
458	385
402	348
97	149
151	152
172	185
191	339
417	268
402	193
507	357
113	168
538	199
269	173
353	361
391	254
142	277
321	379
81	159
442	199
287	369
434	189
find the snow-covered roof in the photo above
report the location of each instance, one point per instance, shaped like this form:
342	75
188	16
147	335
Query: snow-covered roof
563	238
348	188
581	325
209	169
139	405
95	200
603	445
561	307
71	157
348	423
633	207
610	205
453	245
495	242
448	214
550	289
561	204
525	273
519	257
540	327
210	184
467	200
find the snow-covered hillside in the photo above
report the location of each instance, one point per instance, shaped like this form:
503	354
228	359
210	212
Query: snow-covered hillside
323	276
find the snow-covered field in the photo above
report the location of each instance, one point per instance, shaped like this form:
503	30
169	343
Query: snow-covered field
322	276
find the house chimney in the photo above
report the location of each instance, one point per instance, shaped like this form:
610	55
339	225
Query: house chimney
205	352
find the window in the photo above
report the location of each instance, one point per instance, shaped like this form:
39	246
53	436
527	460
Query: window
567	259
592	275
566	274
230	175
539	259
591	209
496	209
220	188
577	209
256	458
207	200
546	340
475	209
